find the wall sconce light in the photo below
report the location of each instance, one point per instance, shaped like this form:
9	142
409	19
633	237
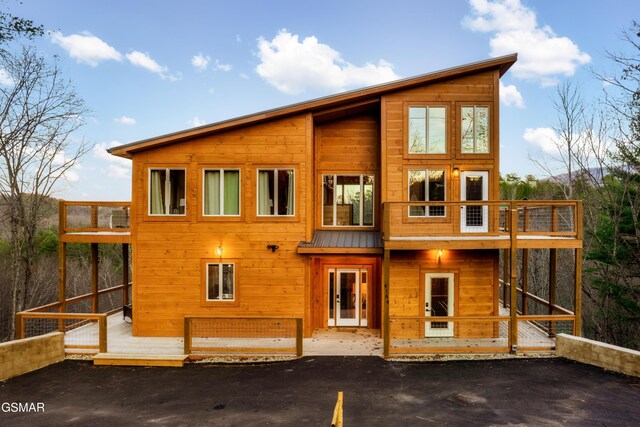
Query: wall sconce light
440	252
219	250
273	247
456	172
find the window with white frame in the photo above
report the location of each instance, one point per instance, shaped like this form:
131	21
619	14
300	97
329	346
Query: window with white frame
276	192
221	192
347	200
167	191
220	282
427	185
475	129
427	130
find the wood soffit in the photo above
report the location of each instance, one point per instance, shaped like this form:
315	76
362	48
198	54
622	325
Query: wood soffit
325	108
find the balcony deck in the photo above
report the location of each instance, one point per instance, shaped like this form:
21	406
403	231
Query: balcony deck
94	222
496	225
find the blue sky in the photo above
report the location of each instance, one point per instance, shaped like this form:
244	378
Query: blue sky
146	68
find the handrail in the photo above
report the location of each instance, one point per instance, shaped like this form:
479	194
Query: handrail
188	329
94	205
539	299
100	317
77	298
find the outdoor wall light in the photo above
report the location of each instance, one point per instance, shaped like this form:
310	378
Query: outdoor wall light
440	253
219	250
456	172
273	247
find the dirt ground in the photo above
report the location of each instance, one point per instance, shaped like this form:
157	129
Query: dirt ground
303	392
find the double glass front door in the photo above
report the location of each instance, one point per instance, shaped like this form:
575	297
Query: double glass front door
347	292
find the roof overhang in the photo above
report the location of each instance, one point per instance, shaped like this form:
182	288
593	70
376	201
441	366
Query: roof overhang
320	106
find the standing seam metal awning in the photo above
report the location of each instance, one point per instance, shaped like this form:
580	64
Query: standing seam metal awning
325	241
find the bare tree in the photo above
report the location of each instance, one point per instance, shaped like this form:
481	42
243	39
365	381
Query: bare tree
39	111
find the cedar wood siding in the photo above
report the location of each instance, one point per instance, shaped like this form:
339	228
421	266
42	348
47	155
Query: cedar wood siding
168	273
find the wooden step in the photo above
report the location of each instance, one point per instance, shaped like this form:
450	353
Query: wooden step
133	359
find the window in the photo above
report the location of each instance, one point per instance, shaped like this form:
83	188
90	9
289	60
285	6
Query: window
221	192
426	186
475	129
167	192
276	192
427	130
220	282
347	200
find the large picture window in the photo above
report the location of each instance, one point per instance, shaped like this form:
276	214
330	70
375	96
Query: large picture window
475	129
427	186
221	192
347	200
427	130
220	282
276	192
167	191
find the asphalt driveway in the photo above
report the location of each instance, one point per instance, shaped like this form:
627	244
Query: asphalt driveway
303	392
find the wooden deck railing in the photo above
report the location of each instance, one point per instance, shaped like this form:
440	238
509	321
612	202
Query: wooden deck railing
91	217
550	218
81	319
211	335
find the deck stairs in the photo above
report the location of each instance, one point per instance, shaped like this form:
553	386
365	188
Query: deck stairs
137	359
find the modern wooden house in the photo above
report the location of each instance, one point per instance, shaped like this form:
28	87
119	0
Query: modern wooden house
376	208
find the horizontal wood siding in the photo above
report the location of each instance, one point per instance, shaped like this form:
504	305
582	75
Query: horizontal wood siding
169	251
475	291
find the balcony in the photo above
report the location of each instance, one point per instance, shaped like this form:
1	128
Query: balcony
482	224
94	222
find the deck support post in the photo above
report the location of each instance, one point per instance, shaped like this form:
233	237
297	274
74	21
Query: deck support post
525	280
577	324
385	303
553	277
505	277
95	308
513	268
125	273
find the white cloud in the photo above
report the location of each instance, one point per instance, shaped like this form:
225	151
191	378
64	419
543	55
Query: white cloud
143	60
200	62
196	121
542	55
510	96
293	66
86	48
223	67
543	138
5	79
126	121
117	167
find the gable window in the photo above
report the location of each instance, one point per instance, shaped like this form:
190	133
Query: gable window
221	192
426	186
167	191
475	129
427	130
276	192
347	200
220	282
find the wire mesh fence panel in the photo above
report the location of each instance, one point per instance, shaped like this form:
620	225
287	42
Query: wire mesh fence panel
82	336
110	301
541	333
36	327
83	306
223	336
421	335
78	216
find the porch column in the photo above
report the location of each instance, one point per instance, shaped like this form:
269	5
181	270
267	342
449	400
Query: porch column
513	341
125	273
553	277
577	324
62	262
385	302
525	280
94	278
505	277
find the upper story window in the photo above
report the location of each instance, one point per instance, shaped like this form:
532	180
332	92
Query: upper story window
276	192
221	192
167	191
220	282
427	130
347	200
427	186
475	129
